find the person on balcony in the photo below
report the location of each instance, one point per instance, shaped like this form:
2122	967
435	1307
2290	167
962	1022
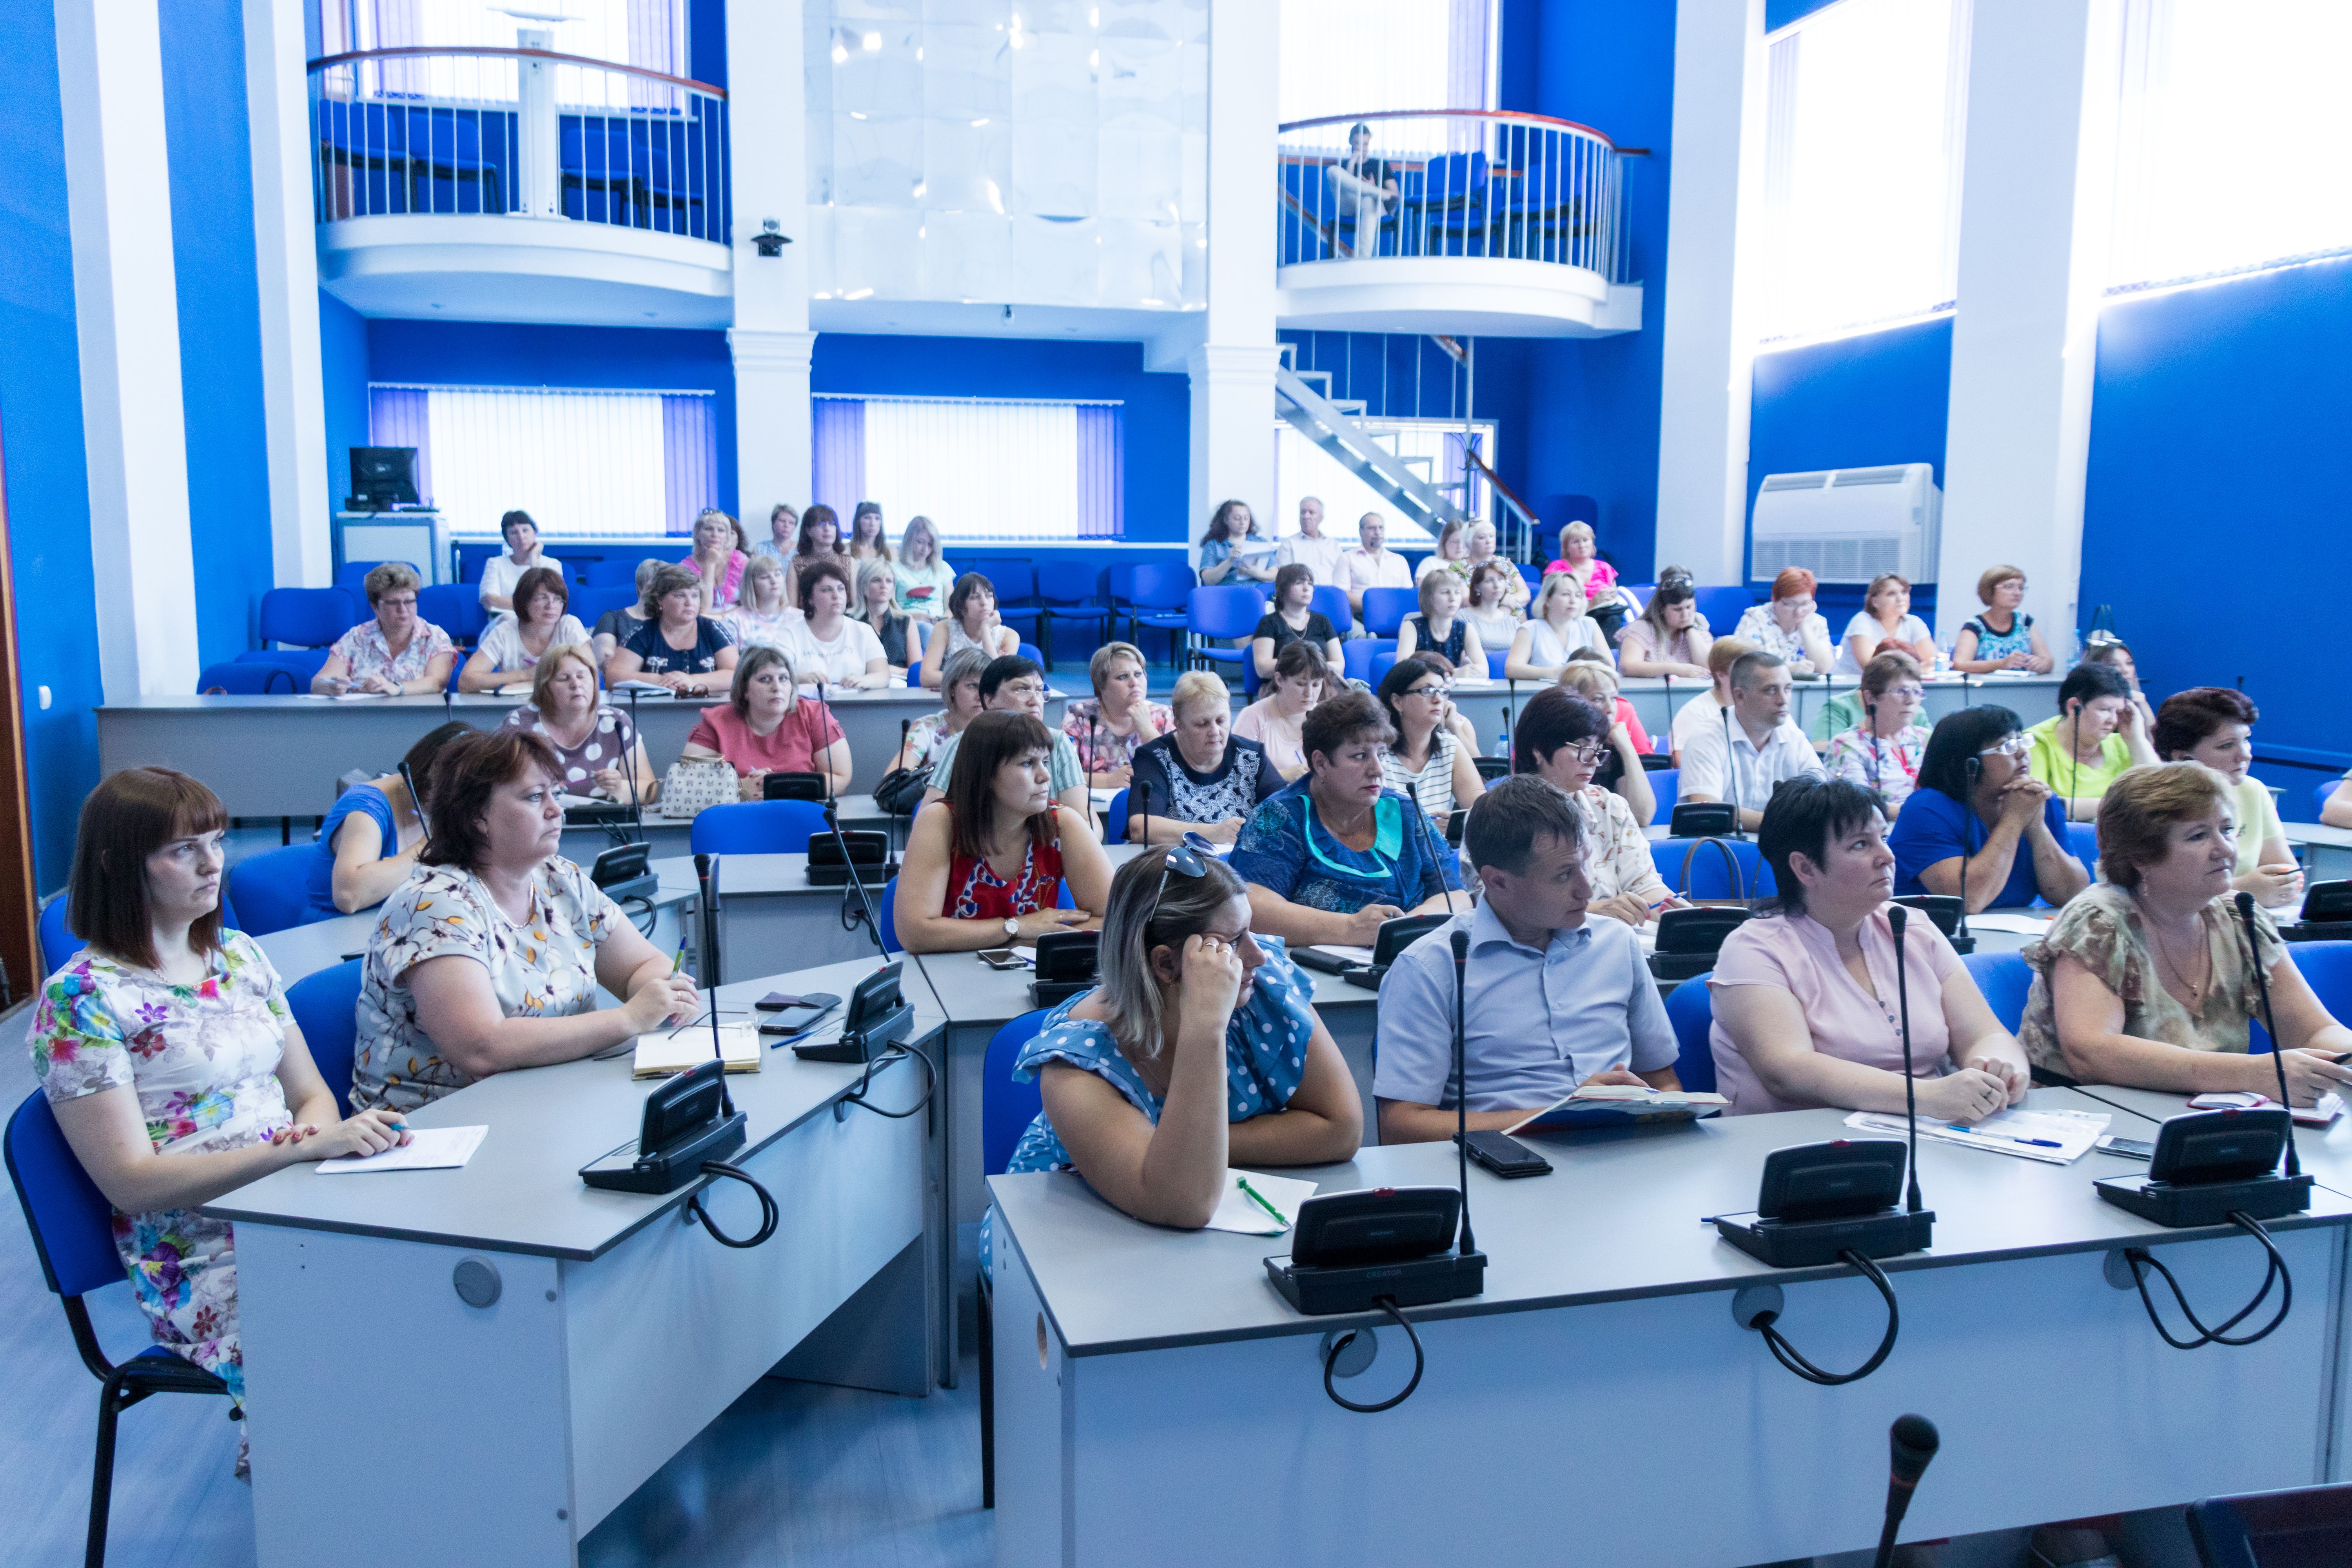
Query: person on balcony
1362	188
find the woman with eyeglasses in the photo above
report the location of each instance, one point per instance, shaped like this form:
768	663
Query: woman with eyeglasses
1425	762
2215	726
2003	635
515	642
1199	1052
1978	806
1790	625
396	654
1886	750
1622	771
1670	636
1563	738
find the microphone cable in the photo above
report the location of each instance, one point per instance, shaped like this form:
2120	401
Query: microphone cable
769	1213
1331	1359
2140	1260
1788	1356
899	1051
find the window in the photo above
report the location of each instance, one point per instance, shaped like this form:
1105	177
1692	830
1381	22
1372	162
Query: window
1866	110
1302	468
1361	57
2232	148
650	34
999	471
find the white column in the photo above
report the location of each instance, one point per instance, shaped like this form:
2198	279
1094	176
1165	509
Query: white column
767	126
118	199
286	268
539	151
2034	204
1233	369
1713	214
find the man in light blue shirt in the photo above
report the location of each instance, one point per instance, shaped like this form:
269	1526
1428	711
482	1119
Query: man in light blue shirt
1552	999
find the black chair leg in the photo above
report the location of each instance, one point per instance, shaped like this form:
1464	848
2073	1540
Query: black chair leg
101	1480
987	1394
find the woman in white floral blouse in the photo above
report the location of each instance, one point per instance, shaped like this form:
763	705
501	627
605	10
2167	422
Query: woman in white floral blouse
167	1036
1884	751
488	958
1562	738
397	654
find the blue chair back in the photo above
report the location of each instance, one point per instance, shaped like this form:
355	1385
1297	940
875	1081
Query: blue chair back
1690	1008
2321	794
1495	658
2004	978
1709	877
1383	661
757	828
2083	838
69	1220
454	608
1666	783
887	913
1007	1105
247	680
1014	581
299	662
1115	823
1031	652
1333	603
1154	585
604	572
1724	607
1067	581
1227	610
309	618
1356	655
591	604
914	672
325	1007
2327	968
272	889
1386	608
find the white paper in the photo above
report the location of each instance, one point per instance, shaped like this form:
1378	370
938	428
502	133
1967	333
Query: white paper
1238	1213
2002	1133
357	696
2013	924
427	1149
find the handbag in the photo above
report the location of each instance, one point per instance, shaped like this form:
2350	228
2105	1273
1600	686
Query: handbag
900	791
693	785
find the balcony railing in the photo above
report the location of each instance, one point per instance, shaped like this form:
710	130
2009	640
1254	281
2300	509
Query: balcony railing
1480	182
520	132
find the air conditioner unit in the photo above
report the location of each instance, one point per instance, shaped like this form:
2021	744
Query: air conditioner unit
1848	525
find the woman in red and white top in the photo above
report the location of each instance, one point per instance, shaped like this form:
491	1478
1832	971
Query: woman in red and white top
1884	751
765	727
986	870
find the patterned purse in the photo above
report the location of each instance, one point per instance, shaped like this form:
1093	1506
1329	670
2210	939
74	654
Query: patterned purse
693	785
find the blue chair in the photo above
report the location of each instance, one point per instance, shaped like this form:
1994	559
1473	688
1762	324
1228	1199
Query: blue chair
2327	967
1690	1008
1115	820
1220	612
1709	877
2321	794
1007	1107
302	664
309	618
71	1226
1383	661
1154	594
325	1007
1031	652
914	673
592	605
1386	608
1015	582
272	888
1071	591
2082	840
248	679
457	609
1494	661
2004	978
1333	603
1666	783
58	942
888	911
757	828
603	572
1724	607
1356	655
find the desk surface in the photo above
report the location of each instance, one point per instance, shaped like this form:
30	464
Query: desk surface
764	875
2317	833
521	1191
1113	1284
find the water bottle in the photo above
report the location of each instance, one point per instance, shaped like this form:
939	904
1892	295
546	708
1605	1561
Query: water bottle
1502	745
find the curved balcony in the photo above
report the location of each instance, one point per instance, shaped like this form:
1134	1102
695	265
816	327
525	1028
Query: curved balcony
1481	222
519	185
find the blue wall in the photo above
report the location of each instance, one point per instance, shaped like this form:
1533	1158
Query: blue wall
40	424
343	380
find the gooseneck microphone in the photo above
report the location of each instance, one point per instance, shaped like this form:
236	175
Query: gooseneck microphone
2245	902
703	867
1731	777
1911	1443
1897	917
1429	832
2074	758
906	727
1461	940
1971	767
1143	787
1870	734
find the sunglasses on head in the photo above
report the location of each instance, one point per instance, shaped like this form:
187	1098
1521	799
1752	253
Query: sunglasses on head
1182	858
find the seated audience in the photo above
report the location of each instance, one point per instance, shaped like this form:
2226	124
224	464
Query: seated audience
1372	565
397	654
1119	719
1563	1000
1977	804
1014	684
922	575
2105	647
173	1066
1333	855
986	870
1669	637
901	639
1790	625
718	559
1440	631
1842	710
1230	526
782	523
1746	760
1293	617
598	751
1885	616
971	622
1622	773
760	617
1274	720
368	843
1707	712
820	540
515	642
2093	737
1606	602
1425	761
1198	1052
927	737
500	573
1556	628
2215	726
828	647
1883	754
766	727
1312	548
867	542
2148	979
677	646
1480	556
1452	555
2003	636
450	993
1806	1010
1488	608
1200	776
614	627
1562	740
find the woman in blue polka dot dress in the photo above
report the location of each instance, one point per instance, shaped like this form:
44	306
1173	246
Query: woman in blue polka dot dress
1199	1050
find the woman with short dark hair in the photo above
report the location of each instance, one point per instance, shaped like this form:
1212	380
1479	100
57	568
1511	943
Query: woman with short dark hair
1276	719
1563	738
1231	525
827	646
2093	737
1426	761
2215	726
1670	636
490	956
1292	618
1979	822
500	573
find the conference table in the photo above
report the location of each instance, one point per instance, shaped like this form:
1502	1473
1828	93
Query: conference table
503	1354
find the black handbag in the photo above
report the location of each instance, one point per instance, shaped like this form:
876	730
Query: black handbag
899	792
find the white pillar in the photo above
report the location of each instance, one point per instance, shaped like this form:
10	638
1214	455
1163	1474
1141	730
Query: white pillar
2034	204
1233	368
540	148
286	258
767	125
118	200
1713	212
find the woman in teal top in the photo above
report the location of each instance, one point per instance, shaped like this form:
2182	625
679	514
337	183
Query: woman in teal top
1199	1050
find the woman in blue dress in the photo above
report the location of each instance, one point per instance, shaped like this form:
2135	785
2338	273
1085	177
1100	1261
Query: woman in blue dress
1199	1050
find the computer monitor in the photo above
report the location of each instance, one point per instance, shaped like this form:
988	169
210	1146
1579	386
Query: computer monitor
383	476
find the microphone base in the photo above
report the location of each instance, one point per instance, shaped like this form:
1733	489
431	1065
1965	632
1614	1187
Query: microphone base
1813	1244
1316	1290
645	885
2179	1206
1964	941
865	1045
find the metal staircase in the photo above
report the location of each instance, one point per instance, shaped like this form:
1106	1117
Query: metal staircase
1331	424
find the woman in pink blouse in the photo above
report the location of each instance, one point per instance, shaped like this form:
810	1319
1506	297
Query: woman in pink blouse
1806	1005
718	559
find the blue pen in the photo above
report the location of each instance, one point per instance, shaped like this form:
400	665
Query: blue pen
2007	1138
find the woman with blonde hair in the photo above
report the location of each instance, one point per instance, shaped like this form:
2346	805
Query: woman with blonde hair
760	617
1439	633
922	573
596	747
1452	554
1556	628
877	587
718	559
1885	616
397	654
1619	769
1481	555
1119	720
1199	777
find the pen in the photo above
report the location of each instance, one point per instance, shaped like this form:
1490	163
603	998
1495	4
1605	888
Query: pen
2008	1138
2339	1062
679	962
1243	1182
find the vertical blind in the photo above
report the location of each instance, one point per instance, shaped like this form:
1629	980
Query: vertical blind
1359	56
977	470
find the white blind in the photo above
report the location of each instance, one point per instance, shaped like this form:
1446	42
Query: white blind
2233	148
579	462
1358	56
978	470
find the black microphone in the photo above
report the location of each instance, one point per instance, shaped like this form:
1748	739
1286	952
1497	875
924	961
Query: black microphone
1731	775
415	803
1970	766
1461	940
637	810
703	867
2245	902
1429	832
1897	917
2074	758
1669	679
1144	786
1911	1441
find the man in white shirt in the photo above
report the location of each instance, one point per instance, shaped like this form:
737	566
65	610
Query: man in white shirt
1309	548
1372	567
1699	712
1764	746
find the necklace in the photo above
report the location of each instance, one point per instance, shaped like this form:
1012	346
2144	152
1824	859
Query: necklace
2196	989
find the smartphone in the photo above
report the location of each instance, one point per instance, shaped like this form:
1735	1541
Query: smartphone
1003	958
800	1016
1505	1155
776	1002
2128	1148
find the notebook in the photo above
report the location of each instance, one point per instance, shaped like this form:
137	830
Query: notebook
1237	1211
1623	1105
427	1149
661	1052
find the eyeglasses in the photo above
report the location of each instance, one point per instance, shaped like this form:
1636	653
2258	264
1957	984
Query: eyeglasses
2015	746
1590	752
1180	858
400	602
1437	692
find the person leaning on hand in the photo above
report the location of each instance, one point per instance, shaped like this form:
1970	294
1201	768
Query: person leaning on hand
1980	823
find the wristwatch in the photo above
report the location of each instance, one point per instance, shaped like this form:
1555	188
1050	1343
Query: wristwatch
1012	929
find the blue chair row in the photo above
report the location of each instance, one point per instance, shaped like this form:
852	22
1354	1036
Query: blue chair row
757	828
1710	877
2321	794
1153	595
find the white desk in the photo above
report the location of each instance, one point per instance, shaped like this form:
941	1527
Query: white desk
2326	851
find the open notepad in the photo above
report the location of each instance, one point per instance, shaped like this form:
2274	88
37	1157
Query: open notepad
1623	1105
2054	1137
1237	1211
661	1052
427	1149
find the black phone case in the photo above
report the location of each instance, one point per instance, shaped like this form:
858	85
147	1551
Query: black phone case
1506	1155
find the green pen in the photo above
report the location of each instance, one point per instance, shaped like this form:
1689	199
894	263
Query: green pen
1243	1182
679	962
